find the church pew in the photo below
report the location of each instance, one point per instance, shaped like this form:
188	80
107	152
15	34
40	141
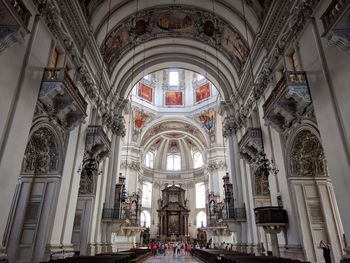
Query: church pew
225	256
95	259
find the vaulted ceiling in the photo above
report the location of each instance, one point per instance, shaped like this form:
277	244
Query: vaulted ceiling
211	37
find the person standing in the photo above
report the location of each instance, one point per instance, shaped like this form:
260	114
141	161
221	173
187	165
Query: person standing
326	251
262	249
174	249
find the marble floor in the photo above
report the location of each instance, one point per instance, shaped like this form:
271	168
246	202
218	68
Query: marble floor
169	258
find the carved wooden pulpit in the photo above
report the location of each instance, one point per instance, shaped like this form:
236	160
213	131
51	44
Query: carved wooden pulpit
173	213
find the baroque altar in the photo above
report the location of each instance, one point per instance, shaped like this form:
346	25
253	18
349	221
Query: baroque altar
173	213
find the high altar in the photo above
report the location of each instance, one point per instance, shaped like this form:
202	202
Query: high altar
173	213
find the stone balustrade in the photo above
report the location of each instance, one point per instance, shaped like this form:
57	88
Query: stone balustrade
61	98
97	141
251	144
288	100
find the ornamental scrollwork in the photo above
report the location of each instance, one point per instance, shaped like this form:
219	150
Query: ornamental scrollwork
89	173
42	155
118	125
307	156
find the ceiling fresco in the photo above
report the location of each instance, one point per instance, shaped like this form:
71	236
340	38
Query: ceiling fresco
174	21
172	126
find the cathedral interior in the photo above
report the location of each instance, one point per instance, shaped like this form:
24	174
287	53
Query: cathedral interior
216	123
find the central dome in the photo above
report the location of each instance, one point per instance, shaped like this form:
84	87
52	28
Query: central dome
173	113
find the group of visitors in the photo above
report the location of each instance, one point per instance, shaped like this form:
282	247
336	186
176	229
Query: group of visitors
176	248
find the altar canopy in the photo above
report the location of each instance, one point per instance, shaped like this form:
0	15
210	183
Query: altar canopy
173	213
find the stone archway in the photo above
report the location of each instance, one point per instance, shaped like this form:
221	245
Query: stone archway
313	194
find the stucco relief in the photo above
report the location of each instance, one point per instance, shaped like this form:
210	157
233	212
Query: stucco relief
307	156
42	153
88	174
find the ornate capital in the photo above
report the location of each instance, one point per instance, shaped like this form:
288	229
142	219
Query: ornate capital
118	125
230	126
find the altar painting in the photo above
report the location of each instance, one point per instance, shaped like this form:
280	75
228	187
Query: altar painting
173	225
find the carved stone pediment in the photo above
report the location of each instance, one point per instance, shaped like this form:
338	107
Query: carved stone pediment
97	142
61	98
251	144
288	101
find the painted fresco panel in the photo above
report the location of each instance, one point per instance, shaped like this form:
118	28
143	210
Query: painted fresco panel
145	92
173	98
174	21
140	119
202	93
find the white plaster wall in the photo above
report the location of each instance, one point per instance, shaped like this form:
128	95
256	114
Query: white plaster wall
13	148
327	68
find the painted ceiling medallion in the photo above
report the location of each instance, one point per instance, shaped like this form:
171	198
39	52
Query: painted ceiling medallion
174	21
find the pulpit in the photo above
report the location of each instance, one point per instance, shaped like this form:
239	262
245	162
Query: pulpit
173	213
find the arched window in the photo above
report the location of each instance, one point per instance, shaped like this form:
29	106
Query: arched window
145	218
147	195
197	159
173	162
200	195
173	78
201	219
149	157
